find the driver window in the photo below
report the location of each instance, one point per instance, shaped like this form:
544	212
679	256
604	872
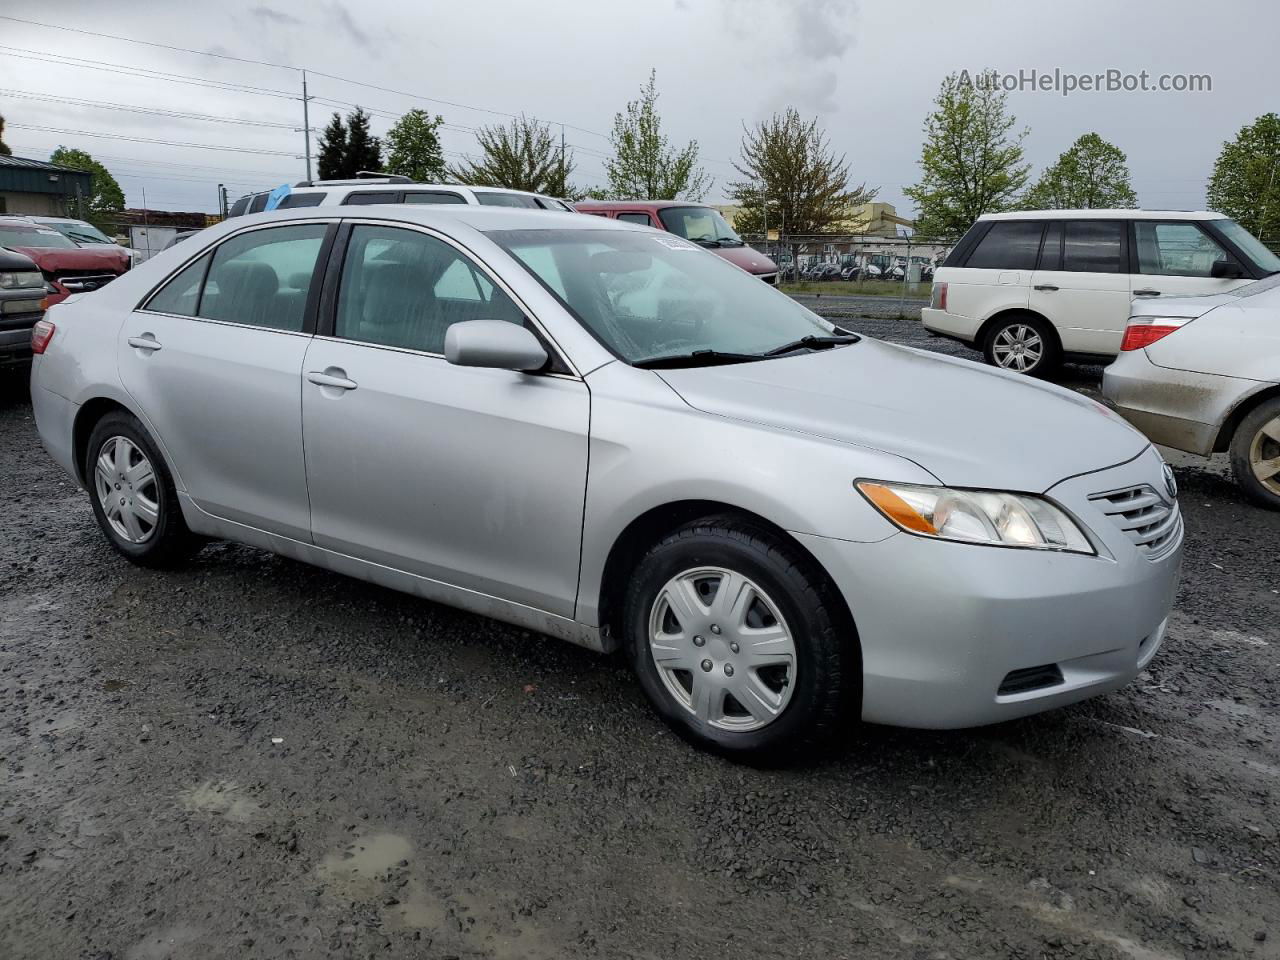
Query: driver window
402	288
1176	249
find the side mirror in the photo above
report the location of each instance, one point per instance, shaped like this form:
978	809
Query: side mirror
1226	270
493	343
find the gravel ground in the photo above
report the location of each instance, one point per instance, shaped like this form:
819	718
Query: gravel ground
255	758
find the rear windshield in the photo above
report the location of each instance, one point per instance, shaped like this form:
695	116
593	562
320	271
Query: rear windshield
17	235
1258	286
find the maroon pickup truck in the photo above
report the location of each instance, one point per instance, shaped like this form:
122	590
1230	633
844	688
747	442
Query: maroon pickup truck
66	268
696	222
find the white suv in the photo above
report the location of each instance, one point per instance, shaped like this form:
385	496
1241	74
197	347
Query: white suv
393	189
1031	288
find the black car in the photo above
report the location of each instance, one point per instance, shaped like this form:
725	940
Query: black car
22	293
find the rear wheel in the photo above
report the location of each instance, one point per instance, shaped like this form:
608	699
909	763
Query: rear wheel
133	495
1255	454
1023	343
739	642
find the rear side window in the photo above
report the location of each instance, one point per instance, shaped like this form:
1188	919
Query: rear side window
506	200
359	199
1008	245
300	200
240	207
181	295
402	288
1093	246
262	278
641	218
425	196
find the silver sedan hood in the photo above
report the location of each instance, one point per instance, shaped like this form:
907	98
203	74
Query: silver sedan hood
968	425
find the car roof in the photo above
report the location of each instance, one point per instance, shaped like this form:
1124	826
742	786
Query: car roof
1104	215
442	216
630	204
376	187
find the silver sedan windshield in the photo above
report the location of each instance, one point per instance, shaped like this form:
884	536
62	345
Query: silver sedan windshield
647	294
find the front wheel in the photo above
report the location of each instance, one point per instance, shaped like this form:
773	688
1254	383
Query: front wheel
1022	343
1255	454
739	641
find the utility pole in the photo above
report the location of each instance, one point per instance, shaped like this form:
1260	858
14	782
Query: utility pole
222	200
306	122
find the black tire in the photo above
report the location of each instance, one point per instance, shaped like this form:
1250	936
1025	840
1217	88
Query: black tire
168	542
827	677
1249	442
1051	356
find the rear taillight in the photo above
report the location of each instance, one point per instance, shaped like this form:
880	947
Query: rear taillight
1144	331
939	296
41	334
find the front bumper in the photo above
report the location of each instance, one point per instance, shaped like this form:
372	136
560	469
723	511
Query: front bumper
943	625
1176	408
950	324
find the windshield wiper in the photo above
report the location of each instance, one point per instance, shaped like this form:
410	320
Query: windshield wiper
730	242
698	358
705	241
813	343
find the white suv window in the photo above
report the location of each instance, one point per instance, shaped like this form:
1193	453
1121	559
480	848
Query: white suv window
1176	249
1008	245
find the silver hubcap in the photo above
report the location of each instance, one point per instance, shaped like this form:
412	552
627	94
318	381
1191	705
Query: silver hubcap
1264	455
1018	347
722	649
126	486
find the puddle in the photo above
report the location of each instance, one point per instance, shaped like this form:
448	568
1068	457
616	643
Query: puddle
111	686
220	797
357	869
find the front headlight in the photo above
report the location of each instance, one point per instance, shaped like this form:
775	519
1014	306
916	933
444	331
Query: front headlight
976	516
25	278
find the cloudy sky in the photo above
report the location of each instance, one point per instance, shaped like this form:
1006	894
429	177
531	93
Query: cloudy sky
867	70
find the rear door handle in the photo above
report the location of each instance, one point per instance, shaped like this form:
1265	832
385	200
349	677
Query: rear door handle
1046	287
331	377
146	342
1146	293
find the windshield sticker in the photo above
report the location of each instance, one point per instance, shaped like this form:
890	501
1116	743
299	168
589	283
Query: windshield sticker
675	243
49	233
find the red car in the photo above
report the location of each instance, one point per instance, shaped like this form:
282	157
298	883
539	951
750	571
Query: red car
66	268
701	224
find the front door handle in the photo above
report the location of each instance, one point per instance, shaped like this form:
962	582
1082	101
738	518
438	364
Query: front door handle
147	342
334	377
1046	288
1148	292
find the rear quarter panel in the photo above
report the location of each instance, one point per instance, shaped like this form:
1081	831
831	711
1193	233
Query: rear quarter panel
980	294
1240	339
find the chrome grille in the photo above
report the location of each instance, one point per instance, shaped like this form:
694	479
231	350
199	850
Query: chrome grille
1148	519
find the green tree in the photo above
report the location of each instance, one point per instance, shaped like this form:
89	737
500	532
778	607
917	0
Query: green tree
413	147
4	147
644	165
788	163
521	155
332	159
105	199
1245	184
1092	174
364	151
972	160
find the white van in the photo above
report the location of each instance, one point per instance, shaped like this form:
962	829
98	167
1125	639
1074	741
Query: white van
1032	288
394	189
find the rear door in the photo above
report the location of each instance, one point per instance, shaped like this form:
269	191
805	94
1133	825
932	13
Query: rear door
214	361
997	273
1082	284
472	477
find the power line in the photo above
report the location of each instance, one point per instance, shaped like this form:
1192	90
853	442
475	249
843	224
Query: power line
168	143
134	108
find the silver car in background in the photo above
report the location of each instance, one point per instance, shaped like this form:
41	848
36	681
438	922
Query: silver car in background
611	436
1202	374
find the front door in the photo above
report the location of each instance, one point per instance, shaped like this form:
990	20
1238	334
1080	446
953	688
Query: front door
1082	284
214	361
472	477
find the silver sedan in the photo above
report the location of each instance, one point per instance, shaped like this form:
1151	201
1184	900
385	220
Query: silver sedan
1202	374
608	435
